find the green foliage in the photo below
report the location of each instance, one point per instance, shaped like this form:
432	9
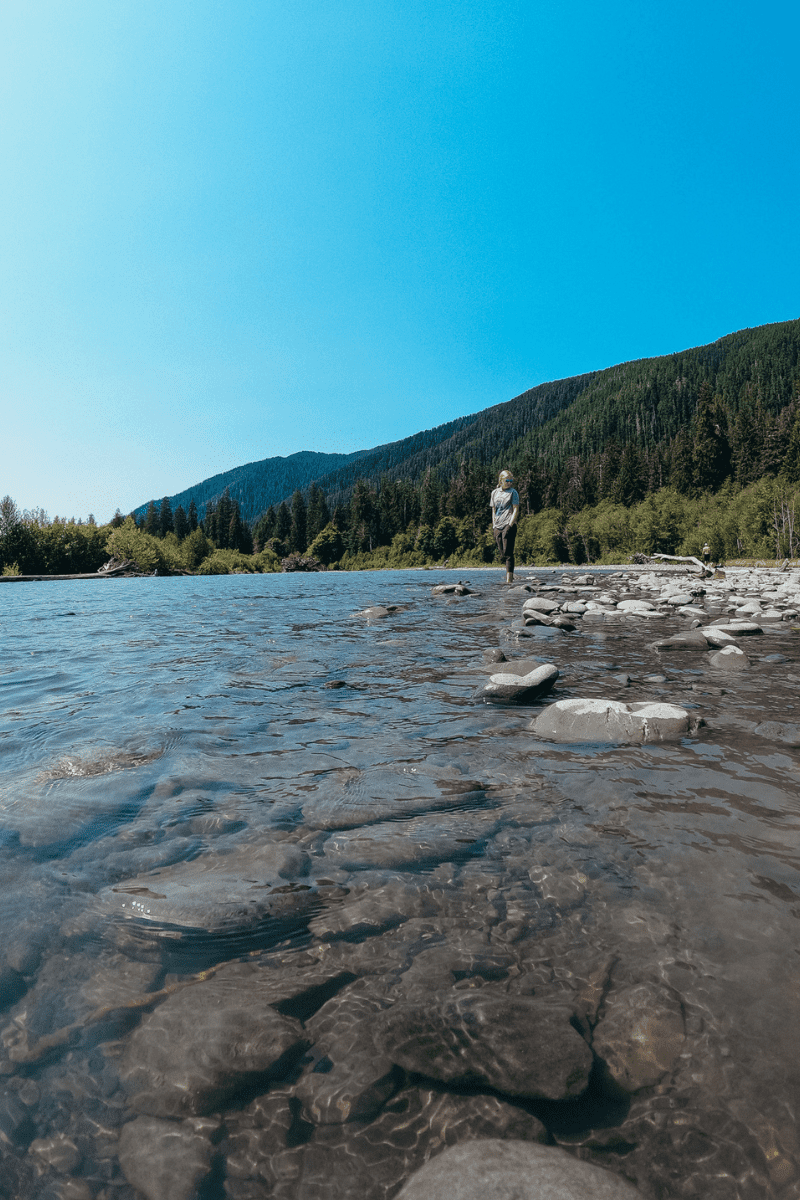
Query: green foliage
328	546
129	542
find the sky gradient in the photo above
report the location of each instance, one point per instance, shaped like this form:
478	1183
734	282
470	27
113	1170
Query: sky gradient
233	229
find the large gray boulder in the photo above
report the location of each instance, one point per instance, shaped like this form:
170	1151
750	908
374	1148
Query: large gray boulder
730	659
515	1044
491	1169
596	720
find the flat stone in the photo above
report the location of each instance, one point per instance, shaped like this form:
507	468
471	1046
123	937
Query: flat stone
514	1044
167	1160
403	843
508	688
595	720
532	617
351	1079
640	1035
716	638
215	892
779	731
491	1169
540	604
692	640
739	628
197	1048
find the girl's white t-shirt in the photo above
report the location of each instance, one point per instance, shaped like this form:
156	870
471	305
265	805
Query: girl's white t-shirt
503	505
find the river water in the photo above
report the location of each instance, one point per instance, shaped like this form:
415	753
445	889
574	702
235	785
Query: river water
158	724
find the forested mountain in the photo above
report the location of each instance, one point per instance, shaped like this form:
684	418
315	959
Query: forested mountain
690	420
255	486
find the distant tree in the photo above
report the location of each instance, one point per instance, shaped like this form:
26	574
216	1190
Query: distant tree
283	525
116	520
264	528
297	532
191	516
711	451
181	524
9	516
166	522
209	522
151	524
317	516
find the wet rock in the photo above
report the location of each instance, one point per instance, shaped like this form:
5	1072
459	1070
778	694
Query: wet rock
373	912
564	623
376	611
640	1035
540	604
510	1170
511	688
58	1152
594	720
532	617
452	589
513	1044
779	731
350	1080
730	659
738	628
403	843
716	638
167	1160
190	1055
343	1162
356	798
215	892
693	640
494	655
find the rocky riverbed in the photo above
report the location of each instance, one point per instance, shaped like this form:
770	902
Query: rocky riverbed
463	890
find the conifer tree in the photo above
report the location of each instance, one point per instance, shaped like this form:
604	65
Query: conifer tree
283	525
181	523
317	515
297	533
191	517
166	522
151	522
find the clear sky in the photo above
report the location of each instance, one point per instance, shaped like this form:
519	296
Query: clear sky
233	229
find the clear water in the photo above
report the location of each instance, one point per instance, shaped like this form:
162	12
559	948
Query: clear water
148	722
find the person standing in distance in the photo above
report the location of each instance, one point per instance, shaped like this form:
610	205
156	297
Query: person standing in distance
505	513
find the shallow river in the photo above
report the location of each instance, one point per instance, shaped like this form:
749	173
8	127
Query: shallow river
410	843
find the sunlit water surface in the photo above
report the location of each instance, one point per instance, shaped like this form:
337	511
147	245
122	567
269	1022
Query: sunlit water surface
147	722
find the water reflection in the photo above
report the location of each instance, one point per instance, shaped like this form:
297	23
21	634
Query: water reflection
239	825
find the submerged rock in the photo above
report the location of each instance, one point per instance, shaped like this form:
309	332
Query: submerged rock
167	1160
516	1045
194	1052
215	892
640	1035
511	1170
594	720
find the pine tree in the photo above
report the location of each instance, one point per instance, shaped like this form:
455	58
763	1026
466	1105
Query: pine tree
166	522
151	522
264	528
297	533
181	523
191	517
283	525
317	516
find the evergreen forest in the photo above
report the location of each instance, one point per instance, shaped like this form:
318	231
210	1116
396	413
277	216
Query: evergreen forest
656	455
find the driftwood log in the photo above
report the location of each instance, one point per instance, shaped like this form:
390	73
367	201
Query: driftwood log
688	558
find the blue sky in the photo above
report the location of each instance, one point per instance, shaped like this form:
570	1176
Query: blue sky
235	229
